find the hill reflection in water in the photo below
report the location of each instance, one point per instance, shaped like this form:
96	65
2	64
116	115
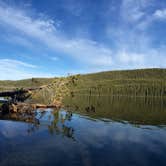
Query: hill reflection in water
148	111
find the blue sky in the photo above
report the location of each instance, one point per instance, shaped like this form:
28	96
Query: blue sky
56	37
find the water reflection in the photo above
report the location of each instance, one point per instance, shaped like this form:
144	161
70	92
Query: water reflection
59	137
58	124
150	111
89	131
54	120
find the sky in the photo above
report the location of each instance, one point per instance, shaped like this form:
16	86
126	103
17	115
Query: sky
40	38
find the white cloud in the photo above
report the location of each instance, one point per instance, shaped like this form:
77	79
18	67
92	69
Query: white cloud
132	11
18	40
136	13
129	58
160	14
45	31
133	44
14	70
148	59
15	63
54	58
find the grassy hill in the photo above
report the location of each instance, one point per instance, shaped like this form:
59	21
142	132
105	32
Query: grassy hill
142	82
27	83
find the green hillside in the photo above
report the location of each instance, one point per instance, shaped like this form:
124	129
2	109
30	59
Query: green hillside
143	82
27	83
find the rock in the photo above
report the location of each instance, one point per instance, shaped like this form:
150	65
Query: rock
25	108
13	108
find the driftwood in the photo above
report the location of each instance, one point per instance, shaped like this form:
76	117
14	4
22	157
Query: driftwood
24	107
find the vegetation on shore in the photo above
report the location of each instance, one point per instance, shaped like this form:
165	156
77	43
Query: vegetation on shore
143	82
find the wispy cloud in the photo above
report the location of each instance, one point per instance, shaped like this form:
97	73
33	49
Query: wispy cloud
54	58
13	70
131	48
15	63
45	31
132	39
18	40
160	14
132	11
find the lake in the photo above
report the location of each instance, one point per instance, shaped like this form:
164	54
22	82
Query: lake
89	131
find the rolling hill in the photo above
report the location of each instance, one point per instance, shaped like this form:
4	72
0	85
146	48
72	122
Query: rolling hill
142	82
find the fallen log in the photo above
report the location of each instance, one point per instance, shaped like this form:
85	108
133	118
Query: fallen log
24	107
46	106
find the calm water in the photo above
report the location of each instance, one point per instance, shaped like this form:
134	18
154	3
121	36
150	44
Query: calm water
81	134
